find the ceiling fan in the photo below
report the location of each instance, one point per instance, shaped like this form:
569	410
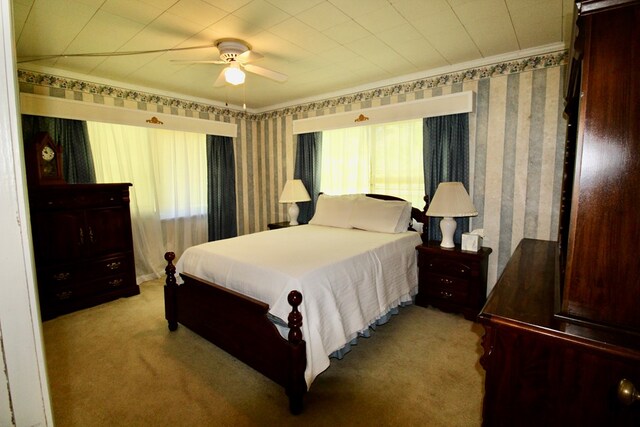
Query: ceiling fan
238	56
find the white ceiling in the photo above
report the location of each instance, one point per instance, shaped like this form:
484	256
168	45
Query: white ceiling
325	46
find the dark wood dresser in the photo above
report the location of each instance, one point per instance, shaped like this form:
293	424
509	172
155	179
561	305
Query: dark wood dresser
562	342
452	279
542	370
83	245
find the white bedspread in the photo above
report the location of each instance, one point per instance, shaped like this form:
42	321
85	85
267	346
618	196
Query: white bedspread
348	278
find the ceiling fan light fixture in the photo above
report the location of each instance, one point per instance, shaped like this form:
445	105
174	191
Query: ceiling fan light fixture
234	75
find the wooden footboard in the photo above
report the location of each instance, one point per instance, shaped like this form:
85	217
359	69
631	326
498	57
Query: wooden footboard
239	325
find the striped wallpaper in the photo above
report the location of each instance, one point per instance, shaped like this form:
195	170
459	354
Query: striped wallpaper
516	140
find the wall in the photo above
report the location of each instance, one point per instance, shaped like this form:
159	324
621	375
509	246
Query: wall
24	394
516	138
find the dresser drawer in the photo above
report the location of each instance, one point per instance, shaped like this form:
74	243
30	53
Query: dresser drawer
70	274
111	266
103	285
59	294
447	288
54	277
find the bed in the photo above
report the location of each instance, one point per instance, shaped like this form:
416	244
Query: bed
283	301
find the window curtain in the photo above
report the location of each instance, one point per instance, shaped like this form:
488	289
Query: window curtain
346	164
72	135
385	158
307	169
168	200
446	159
221	188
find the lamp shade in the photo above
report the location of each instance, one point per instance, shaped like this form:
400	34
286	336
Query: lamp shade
294	191
451	200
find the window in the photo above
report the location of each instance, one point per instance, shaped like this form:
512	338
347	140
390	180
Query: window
168	170
385	158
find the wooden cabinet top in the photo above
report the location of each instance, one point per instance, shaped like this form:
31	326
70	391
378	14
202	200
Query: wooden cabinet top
525	298
78	187
70	196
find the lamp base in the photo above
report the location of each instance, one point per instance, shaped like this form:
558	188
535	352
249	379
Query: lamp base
448	228
294	210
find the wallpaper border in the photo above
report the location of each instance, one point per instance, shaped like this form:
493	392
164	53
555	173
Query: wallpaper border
28	79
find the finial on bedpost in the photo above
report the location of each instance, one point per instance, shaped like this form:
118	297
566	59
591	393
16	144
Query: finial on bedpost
170	270
170	290
295	317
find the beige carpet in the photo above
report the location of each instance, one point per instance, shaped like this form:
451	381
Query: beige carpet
118	365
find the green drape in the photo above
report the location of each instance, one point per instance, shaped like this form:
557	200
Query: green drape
72	135
307	168
446	159
221	187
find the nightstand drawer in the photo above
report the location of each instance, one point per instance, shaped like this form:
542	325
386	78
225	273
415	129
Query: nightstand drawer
447	266
447	288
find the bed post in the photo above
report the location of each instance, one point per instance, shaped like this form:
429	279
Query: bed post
297	386
170	290
425	224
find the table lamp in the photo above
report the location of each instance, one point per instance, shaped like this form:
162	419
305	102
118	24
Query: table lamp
451	200
293	192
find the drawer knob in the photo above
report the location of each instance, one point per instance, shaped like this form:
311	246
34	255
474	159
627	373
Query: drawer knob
445	294
446	281
627	392
113	265
60	277
116	282
64	295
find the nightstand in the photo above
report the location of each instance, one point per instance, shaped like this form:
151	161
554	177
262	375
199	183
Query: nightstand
452	279
276	225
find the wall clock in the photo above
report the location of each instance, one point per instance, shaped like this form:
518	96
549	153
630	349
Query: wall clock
44	161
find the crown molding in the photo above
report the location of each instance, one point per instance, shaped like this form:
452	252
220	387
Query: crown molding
517	62
449	69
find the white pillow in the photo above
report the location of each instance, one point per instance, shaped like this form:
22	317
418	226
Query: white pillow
334	211
405	219
385	216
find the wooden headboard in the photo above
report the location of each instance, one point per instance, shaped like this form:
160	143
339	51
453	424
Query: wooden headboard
417	214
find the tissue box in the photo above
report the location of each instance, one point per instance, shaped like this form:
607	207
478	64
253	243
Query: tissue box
471	242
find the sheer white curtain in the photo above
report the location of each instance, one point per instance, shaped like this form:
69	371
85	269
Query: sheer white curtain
385	158
168	170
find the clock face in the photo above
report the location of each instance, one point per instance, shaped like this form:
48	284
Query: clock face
48	154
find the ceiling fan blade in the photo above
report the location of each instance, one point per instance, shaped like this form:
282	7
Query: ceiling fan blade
248	56
191	61
220	81
265	72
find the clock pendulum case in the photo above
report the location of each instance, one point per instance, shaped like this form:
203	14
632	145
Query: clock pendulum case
43	159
